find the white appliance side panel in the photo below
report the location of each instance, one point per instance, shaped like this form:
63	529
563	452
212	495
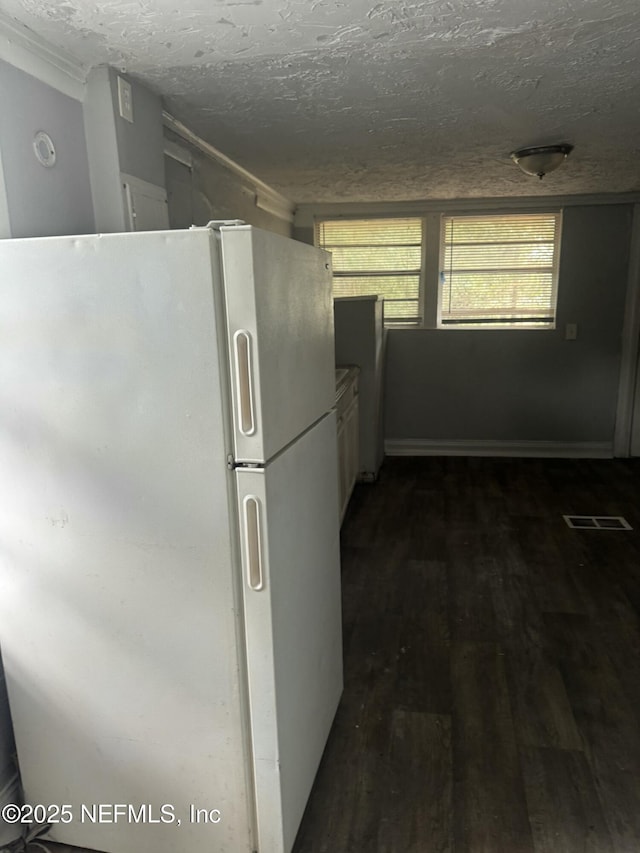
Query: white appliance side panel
359	341
118	600
278	296
293	623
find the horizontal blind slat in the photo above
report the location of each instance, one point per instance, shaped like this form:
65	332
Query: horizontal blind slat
498	269
377	256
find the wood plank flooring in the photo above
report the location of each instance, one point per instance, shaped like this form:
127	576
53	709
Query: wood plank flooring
492	663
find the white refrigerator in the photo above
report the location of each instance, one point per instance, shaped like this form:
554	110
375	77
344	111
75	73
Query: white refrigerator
170	615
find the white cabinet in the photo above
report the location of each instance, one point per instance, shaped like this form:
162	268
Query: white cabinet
360	339
347	406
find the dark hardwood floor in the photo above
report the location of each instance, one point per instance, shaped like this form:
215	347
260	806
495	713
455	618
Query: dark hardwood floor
492	663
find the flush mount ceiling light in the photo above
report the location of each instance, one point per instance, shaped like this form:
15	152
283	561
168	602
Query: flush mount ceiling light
541	159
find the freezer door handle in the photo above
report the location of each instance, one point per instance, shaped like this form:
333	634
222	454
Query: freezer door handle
253	542
244	382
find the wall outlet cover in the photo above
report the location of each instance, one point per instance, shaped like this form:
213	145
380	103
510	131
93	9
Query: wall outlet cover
125	99
571	332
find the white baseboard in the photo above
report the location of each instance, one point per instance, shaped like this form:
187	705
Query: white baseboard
429	447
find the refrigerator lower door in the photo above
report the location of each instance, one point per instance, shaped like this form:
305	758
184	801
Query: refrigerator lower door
289	531
280	332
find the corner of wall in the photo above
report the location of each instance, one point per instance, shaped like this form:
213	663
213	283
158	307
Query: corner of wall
102	149
24	49
5	223
213	186
140	142
303	234
117	146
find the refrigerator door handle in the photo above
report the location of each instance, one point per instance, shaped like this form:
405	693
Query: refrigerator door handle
253	542
244	382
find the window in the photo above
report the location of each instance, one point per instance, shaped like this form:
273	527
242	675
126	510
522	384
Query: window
493	271
499	270
382	256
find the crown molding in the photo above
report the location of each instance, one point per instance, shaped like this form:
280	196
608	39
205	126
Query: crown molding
306	214
266	198
26	50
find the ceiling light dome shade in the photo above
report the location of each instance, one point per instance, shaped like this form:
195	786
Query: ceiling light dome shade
541	159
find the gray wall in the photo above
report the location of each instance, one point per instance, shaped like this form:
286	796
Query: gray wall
506	385
211	191
522	386
104	162
43	201
140	144
117	146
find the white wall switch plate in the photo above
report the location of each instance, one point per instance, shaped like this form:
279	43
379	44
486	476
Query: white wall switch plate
571	332
125	99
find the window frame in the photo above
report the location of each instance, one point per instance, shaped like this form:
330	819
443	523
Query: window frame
508	325
419	272
433	238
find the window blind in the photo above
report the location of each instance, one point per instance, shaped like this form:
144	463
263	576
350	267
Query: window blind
499	270
377	256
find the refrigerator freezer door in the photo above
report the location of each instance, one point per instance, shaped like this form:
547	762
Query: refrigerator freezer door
280	331
291	566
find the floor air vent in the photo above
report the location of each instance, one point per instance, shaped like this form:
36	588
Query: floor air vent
597	522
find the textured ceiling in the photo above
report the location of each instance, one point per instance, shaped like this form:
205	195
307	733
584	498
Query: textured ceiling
351	100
